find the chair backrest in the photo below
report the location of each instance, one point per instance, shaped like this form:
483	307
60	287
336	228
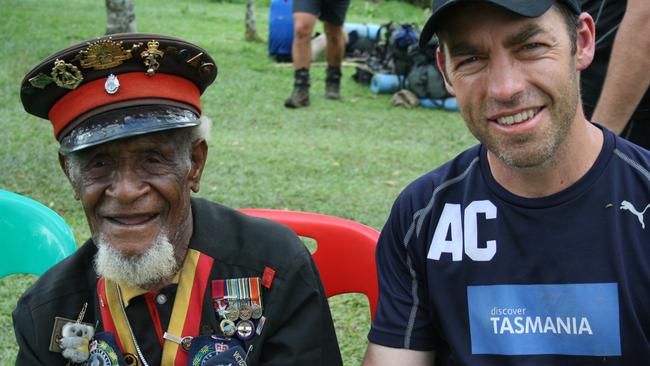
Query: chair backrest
345	253
32	237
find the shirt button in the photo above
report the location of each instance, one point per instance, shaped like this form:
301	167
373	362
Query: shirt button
161	299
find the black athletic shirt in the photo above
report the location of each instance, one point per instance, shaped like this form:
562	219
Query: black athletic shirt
608	15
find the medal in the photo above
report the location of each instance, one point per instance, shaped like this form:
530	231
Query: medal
232	313
256	297
245	330
218	301
232	294
256	311
227	327
245	312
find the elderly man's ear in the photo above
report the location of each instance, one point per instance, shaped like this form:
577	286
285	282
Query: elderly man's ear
66	171
199	156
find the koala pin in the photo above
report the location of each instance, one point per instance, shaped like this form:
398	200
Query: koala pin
75	338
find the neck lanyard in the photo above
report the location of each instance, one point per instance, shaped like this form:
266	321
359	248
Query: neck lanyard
186	312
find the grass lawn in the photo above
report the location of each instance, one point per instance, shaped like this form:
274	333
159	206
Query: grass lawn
348	159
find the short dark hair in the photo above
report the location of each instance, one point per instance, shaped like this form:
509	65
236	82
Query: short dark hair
572	22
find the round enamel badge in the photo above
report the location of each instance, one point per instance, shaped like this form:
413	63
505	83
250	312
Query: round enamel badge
102	354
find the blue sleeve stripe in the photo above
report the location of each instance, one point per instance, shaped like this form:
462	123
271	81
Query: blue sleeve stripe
418	220
633	163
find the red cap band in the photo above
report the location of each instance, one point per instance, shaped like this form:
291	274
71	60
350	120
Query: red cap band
134	85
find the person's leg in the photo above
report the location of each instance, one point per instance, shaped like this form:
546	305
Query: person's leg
303	25
333	17
335	43
335	52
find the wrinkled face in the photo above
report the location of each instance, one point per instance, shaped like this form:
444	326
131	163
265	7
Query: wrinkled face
515	79
137	190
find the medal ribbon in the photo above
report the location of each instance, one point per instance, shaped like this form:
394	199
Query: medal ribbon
186	312
256	296
243	286
217	295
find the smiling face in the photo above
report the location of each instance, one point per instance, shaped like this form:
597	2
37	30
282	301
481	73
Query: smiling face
515	79
136	191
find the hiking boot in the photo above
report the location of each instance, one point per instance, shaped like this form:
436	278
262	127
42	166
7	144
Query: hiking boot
333	82
300	95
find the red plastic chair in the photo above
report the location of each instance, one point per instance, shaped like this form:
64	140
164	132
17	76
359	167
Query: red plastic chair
345	253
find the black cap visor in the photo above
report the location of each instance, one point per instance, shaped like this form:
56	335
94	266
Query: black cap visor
127	122
529	9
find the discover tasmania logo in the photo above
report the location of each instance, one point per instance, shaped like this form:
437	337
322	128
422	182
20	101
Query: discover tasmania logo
566	319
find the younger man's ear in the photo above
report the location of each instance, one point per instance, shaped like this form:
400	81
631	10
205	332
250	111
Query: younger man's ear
585	41
440	60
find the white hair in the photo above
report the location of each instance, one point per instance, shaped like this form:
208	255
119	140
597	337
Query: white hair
156	264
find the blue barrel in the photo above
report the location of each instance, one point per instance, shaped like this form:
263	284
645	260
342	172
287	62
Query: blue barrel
370	31
448	104
280	30
385	83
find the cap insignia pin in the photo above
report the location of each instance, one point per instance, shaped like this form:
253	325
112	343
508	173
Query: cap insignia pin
40	81
112	84
105	54
150	57
66	75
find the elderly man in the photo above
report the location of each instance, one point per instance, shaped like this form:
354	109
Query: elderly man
531	247
165	279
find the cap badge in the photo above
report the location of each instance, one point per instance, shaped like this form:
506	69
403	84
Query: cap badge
40	81
66	75
105	54
112	84
150	57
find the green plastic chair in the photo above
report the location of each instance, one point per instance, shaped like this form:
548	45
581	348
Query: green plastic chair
32	237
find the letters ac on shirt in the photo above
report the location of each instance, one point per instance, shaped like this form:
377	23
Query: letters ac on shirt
457	232
515	319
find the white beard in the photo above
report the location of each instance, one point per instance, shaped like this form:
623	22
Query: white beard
156	264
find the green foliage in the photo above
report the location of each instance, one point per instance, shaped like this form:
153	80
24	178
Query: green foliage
349	158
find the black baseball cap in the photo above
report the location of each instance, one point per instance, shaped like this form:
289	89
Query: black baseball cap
526	8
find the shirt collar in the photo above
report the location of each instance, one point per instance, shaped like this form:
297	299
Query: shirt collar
129	292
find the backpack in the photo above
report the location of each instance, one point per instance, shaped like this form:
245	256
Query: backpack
424	79
400	38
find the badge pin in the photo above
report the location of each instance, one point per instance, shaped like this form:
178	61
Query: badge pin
260	325
221	347
101	353
129	359
151	56
228	327
66	75
40	81
112	85
184	342
245	330
105	54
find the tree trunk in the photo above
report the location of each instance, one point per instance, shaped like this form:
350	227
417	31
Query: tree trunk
120	16
251	31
